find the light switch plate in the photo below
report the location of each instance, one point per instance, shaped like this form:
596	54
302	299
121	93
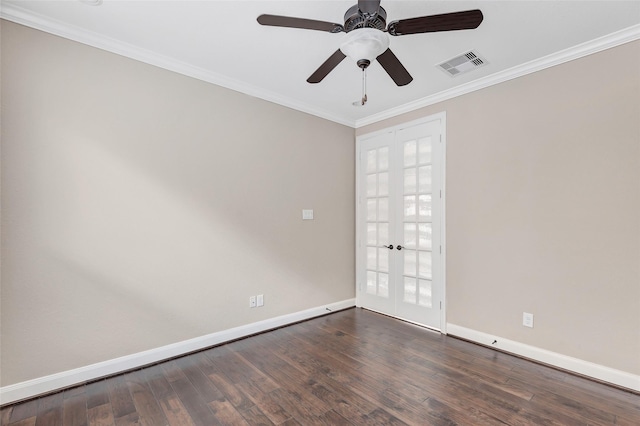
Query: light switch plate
527	319
307	214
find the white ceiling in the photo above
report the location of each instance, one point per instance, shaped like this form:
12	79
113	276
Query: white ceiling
221	42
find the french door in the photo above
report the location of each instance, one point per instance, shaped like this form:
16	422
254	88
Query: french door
400	266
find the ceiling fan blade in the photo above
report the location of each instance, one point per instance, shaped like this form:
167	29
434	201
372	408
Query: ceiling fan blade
466	20
326	67
306	24
369	7
394	68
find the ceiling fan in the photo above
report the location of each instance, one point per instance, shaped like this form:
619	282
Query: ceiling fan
368	35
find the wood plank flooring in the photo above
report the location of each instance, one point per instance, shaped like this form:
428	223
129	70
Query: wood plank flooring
351	367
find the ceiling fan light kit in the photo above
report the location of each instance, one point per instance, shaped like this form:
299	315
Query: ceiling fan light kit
365	43
368	35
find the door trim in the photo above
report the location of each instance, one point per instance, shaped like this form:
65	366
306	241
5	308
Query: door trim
442	116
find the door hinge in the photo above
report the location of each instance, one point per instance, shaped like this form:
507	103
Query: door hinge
441	193
440	305
440	249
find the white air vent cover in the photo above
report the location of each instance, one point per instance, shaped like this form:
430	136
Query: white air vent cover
463	63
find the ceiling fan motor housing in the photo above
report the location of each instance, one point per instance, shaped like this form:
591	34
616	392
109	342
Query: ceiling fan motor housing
355	19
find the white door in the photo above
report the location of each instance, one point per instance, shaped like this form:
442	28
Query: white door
399	248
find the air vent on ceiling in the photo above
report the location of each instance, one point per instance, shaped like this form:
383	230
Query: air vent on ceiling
462	63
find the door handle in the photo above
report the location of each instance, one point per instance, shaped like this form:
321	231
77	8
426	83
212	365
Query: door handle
390	247
399	247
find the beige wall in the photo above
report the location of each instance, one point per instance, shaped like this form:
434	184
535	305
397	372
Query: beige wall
143	208
543	207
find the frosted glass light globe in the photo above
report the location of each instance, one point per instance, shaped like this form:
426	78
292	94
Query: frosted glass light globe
365	43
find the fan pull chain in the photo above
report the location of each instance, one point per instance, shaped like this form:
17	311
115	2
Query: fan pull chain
364	86
363	64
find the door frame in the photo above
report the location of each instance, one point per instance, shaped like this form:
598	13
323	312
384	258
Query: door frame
360	232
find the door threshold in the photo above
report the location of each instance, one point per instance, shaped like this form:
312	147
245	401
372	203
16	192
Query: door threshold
428	328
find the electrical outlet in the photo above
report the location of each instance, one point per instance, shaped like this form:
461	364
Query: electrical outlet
260	300
527	319
252	302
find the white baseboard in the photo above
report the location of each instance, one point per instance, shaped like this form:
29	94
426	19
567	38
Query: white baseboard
65	379
586	368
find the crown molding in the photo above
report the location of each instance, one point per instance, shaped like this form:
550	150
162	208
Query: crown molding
606	42
22	16
25	17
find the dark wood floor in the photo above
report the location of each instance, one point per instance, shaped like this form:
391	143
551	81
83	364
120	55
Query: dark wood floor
351	367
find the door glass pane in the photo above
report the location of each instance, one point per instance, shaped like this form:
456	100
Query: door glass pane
409	235
383	285
409	290
424	297
424	179
410	208
371	282
372	185
372	161
410	262
371	258
383	209
383	183
410	153
424	264
383	234
410	181
383	259
372	239
424	236
372	207
383	158
424	208
424	148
